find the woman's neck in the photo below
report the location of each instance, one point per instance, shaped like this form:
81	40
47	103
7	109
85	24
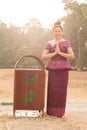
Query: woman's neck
58	39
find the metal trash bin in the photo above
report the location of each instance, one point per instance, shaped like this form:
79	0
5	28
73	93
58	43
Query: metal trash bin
29	87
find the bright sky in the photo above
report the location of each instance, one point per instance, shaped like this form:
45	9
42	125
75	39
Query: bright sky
19	12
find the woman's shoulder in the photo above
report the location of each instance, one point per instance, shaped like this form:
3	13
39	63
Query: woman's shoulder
66	42
49	44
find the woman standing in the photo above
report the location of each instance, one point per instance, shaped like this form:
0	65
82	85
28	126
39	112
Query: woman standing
58	50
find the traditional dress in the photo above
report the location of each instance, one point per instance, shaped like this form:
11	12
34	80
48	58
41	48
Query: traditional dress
58	67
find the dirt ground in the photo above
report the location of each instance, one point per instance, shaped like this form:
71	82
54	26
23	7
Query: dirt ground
75	117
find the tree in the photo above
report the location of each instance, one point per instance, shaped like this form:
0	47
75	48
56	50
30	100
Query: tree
16	42
75	29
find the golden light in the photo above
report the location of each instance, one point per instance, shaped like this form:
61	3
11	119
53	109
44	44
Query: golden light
19	12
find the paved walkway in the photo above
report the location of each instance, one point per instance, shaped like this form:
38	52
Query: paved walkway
8	109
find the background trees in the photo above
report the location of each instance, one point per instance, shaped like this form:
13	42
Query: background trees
16	42
75	29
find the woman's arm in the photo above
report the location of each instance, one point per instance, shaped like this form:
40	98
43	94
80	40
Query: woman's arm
69	54
46	55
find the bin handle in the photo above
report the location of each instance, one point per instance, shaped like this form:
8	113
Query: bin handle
40	62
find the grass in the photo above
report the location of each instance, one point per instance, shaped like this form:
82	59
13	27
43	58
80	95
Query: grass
6	103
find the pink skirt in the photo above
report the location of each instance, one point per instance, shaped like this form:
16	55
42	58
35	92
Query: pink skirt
57	92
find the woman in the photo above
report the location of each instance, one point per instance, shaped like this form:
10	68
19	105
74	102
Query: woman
58	51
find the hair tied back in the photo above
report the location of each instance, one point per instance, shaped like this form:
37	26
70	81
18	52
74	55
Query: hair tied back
58	23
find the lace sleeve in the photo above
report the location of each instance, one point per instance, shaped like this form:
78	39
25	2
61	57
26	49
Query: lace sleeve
48	46
68	44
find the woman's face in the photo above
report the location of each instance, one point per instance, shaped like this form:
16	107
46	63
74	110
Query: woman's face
57	32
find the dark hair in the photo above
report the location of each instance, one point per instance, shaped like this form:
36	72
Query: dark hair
57	24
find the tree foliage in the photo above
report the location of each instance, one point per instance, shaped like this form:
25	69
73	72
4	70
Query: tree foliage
75	29
16	42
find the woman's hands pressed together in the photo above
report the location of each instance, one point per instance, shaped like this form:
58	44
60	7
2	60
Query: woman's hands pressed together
69	53
57	49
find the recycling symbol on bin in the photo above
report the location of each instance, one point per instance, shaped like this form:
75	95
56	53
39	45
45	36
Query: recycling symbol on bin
31	81
29	96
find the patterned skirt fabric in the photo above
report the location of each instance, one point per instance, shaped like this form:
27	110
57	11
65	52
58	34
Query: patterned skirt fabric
57	91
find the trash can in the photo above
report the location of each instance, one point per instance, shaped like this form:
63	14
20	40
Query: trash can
29	87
